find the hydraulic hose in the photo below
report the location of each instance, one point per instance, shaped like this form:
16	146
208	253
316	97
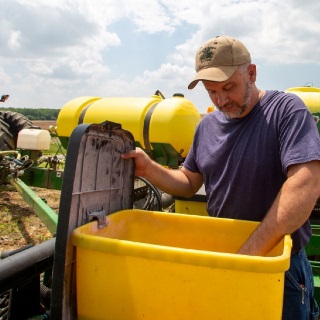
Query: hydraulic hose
16	269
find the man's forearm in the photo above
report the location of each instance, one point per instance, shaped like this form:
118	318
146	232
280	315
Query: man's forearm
290	210
172	181
180	182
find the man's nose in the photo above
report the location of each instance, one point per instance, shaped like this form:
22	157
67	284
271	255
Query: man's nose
222	99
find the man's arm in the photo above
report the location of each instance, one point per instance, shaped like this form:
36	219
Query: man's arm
176	182
290	210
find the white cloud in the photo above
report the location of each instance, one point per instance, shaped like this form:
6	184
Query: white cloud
14	40
5	79
53	51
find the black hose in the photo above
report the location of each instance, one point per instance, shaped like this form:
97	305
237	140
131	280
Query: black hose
8	253
16	269
153	191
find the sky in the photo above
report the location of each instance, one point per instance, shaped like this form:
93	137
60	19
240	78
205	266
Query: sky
54	51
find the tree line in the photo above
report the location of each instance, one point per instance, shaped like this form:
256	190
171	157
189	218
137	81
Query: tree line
36	114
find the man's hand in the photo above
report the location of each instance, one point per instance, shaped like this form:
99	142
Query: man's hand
142	161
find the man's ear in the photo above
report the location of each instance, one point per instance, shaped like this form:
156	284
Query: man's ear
252	71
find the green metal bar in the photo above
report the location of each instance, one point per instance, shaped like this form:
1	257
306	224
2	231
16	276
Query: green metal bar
46	214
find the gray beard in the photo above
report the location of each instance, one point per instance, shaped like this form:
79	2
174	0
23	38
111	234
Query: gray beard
240	108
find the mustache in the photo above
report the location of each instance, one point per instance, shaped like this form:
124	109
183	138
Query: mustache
230	104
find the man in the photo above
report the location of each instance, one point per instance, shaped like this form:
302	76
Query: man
259	159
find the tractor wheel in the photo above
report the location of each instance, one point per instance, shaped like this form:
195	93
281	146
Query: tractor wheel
15	122
6	137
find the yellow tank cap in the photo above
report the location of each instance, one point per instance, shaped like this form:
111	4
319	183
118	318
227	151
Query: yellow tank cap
210	109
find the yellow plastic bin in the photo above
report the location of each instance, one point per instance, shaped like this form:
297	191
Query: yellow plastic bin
152	265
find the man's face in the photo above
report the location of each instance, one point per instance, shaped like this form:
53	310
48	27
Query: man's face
233	97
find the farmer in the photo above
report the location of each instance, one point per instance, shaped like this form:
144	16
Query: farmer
258	157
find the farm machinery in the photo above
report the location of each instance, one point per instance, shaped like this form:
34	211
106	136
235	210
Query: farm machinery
42	281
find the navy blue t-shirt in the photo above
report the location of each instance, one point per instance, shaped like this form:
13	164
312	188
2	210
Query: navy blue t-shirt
244	161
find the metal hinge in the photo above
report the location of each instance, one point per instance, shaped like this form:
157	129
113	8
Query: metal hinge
100	216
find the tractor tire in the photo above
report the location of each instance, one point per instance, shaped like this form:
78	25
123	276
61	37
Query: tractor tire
15	122
6	137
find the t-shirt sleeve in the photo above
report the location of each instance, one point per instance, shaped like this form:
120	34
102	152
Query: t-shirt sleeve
190	162
299	140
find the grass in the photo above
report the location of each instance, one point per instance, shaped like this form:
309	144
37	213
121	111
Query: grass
55	148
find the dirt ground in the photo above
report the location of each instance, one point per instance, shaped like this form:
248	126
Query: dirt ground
19	225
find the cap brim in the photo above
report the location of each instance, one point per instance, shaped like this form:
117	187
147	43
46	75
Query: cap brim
216	74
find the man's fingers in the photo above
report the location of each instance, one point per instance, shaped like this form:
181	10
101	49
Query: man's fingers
129	154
